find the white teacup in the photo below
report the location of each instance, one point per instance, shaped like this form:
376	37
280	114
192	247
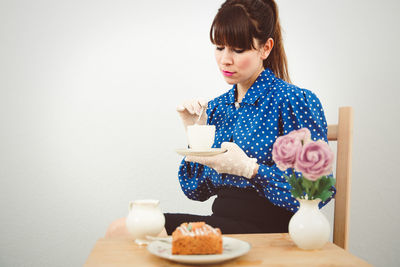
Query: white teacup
201	137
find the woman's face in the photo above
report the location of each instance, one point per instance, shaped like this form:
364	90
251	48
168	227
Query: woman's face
239	66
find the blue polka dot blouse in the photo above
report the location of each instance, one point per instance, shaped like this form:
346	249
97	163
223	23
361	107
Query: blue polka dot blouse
270	108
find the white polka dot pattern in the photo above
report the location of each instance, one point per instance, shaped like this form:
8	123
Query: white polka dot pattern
270	108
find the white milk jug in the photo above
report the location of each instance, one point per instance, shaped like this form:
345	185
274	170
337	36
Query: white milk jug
144	218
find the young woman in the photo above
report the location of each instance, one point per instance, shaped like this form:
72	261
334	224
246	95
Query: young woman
252	193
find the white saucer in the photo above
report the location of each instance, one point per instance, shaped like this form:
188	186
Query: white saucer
233	248
201	153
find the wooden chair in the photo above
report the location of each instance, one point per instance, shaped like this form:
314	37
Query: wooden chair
343	134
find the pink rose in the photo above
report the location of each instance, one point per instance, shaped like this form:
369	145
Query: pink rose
315	160
285	150
303	134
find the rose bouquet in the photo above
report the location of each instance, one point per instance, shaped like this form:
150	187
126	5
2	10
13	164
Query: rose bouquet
312	158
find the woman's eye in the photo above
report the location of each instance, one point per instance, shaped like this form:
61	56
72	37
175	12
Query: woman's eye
238	50
220	48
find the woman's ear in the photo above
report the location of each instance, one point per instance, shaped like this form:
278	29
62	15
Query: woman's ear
266	49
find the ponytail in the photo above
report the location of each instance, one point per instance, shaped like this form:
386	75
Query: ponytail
277	60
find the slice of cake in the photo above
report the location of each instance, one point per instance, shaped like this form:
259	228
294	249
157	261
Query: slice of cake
196	238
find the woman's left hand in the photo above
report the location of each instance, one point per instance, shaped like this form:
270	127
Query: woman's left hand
234	161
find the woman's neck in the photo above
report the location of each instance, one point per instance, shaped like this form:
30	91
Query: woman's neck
243	87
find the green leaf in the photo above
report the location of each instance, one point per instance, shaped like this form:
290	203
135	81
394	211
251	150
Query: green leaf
307	184
323	185
300	187
297	192
325	195
314	188
296	188
323	191
330	182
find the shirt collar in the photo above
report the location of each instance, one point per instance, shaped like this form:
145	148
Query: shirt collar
259	87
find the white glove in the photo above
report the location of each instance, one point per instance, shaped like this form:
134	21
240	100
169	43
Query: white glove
234	161
191	110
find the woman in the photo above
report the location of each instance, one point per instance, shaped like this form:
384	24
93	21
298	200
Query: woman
252	193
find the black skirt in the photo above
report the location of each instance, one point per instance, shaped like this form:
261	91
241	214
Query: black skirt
238	211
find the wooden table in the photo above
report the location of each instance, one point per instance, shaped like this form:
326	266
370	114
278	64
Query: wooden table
266	250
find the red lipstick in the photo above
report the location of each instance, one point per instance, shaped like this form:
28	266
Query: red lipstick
227	73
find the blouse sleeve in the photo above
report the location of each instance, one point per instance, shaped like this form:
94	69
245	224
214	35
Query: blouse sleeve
197	180
299	109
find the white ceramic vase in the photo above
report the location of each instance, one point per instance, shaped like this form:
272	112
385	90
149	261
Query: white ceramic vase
144	218
309	228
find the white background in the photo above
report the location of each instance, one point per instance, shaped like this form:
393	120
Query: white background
88	91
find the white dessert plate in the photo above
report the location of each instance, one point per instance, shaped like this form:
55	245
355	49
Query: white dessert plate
201	153
232	248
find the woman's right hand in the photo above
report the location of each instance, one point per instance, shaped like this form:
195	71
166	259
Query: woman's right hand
190	111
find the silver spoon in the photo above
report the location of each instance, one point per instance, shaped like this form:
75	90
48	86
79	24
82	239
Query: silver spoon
162	239
201	113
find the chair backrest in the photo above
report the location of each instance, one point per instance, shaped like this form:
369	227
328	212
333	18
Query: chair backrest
343	134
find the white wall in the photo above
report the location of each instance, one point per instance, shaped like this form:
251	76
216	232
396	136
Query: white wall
88	91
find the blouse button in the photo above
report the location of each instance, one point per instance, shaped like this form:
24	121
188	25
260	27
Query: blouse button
237	105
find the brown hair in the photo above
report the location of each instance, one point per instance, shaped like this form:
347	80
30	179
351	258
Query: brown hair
239	21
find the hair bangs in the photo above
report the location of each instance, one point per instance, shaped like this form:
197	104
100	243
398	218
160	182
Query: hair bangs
232	27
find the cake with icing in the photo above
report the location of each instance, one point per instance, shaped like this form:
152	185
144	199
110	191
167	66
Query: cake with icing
196	238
